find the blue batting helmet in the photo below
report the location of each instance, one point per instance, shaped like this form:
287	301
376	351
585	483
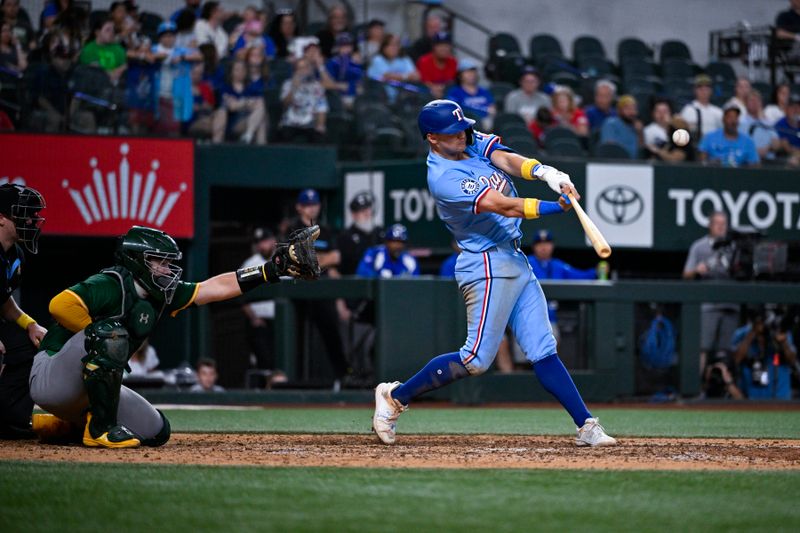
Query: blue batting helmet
397	232
444	116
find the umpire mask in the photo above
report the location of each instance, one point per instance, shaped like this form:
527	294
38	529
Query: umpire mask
23	206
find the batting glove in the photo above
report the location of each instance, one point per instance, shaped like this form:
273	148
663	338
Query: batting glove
552	176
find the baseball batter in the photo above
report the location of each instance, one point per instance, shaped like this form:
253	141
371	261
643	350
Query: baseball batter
100	322
468	175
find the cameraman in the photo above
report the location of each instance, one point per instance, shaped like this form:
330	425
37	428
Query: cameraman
708	260
764	349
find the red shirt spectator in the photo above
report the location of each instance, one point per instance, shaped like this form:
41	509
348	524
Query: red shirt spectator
438	68
567	113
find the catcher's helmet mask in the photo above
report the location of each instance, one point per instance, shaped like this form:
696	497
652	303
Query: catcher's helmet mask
22	205
444	116
151	256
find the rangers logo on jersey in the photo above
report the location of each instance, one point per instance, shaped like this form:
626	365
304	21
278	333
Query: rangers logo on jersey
469	186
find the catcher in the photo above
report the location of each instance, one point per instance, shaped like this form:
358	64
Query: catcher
101	321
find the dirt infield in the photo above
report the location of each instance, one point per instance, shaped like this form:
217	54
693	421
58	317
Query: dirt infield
425	451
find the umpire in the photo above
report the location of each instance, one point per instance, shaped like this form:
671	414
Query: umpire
20	335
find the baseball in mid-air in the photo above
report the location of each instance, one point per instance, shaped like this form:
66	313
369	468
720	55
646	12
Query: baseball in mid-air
680	137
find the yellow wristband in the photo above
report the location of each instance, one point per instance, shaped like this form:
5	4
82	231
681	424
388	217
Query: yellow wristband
531	207
526	171
24	321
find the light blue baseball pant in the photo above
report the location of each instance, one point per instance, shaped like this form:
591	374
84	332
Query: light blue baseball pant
500	289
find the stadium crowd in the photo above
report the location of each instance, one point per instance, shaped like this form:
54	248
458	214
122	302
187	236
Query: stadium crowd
257	77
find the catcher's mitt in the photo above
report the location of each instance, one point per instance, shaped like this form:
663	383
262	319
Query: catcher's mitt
297	258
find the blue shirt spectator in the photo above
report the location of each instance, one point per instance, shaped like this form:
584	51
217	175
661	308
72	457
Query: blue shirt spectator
389	67
473	99
789	126
262	40
379	262
603	106
728	146
341	66
192	5
597	116
622	129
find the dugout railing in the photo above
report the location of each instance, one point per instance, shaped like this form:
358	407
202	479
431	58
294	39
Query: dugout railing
418	318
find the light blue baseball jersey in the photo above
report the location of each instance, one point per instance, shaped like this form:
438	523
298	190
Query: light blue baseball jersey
458	187
495	278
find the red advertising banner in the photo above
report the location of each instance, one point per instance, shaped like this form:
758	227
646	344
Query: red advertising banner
101	186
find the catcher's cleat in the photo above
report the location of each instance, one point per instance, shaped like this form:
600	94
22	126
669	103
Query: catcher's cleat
116	437
387	410
51	429
593	434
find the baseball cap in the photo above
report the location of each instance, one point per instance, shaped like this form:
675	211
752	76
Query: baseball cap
344	39
361	201
308	197
543	235
731	107
467	64
262	234
397	232
703	80
166	27
530	69
441	37
624	100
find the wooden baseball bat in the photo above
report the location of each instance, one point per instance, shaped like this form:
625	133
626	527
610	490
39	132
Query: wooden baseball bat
595	237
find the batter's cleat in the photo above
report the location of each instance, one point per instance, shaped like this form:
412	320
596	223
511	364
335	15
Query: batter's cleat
593	434
387	410
51	429
116	437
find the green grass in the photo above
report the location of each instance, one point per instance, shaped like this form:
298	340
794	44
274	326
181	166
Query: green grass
86	497
521	421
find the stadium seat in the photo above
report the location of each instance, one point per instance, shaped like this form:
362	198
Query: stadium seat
610	150
566	78
375	90
91	87
595	67
720	72
523	144
677	68
644	103
312	28
500	90
507	68
638	66
339	126
674	49
680	92
335	103
503	120
280	70
544	44
559	133
765	89
632	47
502	44
386	142
565	148
512	130
642	84
587	46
